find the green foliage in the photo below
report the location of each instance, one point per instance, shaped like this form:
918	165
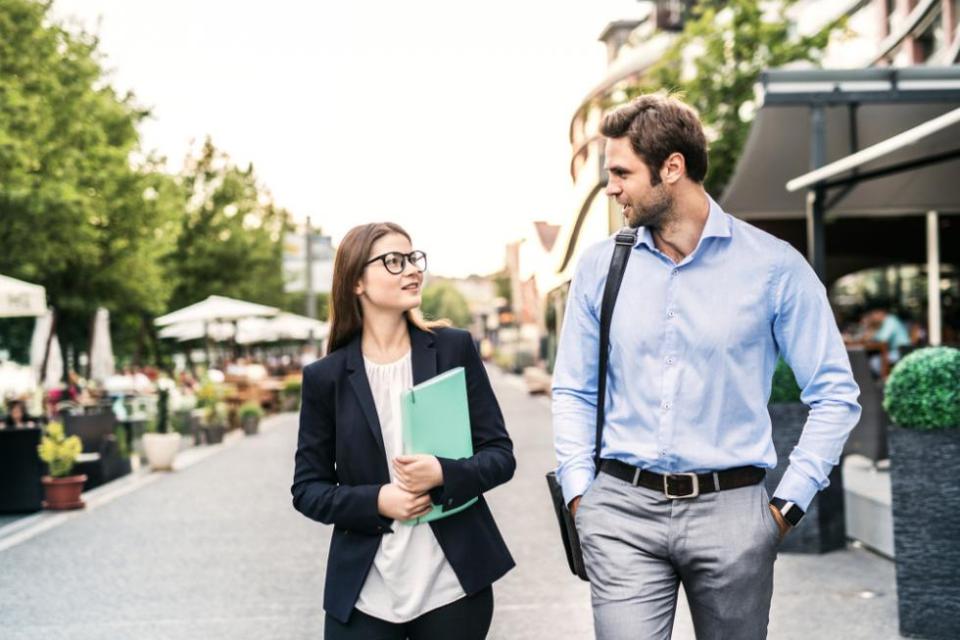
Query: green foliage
784	388
59	451
230	240
78	216
292	388
923	392
442	300
209	394
716	61
250	409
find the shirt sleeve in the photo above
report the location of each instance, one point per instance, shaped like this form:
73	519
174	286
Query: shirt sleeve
575	383
810	342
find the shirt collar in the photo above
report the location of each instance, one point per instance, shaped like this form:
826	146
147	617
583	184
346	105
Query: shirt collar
717	226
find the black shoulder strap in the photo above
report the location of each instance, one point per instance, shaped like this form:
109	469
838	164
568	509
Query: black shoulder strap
626	239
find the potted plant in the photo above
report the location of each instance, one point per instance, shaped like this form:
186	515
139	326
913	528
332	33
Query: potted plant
291	395
250	414
922	396
60	452
823	529
215	423
162	445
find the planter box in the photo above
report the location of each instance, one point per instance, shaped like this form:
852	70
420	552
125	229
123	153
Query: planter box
823	527
926	522
250	424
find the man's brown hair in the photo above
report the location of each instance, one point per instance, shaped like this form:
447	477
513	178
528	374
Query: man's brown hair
658	125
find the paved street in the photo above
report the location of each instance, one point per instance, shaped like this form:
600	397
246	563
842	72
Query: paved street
216	551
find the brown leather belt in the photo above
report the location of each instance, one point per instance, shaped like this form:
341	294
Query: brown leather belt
684	485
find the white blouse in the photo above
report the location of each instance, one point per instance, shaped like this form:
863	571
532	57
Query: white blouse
410	575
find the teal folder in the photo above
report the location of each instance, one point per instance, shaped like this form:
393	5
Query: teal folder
436	420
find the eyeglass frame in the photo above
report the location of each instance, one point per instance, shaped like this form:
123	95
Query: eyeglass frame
405	257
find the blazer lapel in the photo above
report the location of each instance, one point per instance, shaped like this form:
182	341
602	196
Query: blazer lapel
361	386
423	355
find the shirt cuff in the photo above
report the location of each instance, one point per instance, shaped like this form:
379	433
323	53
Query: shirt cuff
575	482
796	488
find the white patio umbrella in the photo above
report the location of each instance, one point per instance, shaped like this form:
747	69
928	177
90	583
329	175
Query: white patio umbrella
283	326
38	350
19	298
194	330
217	309
101	350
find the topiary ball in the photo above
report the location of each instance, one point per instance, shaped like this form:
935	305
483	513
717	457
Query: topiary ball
923	392
783	388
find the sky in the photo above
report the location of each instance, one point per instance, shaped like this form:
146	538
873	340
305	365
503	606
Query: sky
450	118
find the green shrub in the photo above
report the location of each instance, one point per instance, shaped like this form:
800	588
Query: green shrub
784	388
291	388
250	409
923	392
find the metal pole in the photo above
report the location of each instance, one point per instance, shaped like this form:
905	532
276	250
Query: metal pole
816	248
311	296
934	310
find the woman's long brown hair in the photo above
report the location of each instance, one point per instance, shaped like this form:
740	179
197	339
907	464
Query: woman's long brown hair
346	314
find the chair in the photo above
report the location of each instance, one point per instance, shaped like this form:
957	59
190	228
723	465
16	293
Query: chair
20	471
869	437
101	460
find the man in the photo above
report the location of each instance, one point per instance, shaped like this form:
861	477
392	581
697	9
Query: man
884	326
707	304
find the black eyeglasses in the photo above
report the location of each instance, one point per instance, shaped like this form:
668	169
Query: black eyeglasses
395	262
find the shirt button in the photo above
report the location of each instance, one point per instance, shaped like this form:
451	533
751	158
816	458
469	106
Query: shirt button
670	360
666	406
671	314
663	452
675	272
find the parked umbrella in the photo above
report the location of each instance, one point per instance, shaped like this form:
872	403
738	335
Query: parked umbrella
102	363
46	359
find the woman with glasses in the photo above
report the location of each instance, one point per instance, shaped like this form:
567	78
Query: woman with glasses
386	579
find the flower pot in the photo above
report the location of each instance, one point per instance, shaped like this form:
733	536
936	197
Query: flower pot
926	519
213	434
250	424
823	528
63	493
161	449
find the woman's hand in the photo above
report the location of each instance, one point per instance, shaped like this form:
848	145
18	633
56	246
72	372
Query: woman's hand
418	473
399	504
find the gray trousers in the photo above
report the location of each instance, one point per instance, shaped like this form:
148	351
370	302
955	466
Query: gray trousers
638	547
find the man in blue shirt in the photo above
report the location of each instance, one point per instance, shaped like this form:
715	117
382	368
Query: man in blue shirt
890	329
708	303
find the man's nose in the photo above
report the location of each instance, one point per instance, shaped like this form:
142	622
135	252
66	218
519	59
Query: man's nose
612	189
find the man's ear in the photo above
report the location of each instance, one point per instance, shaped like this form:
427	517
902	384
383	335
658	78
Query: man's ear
674	168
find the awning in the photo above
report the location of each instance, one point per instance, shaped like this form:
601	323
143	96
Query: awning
860	108
19	298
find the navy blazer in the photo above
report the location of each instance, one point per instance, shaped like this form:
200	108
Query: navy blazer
341	465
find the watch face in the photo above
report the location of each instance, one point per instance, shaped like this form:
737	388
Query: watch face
790	511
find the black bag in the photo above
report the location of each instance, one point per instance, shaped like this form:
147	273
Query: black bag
626	239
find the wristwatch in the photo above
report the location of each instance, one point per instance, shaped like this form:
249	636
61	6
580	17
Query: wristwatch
790	511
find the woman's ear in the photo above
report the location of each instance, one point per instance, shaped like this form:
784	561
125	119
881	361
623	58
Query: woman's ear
358	288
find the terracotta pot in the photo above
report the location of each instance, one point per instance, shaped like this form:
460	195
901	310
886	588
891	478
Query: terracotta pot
63	493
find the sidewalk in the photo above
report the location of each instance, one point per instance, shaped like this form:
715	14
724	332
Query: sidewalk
217	551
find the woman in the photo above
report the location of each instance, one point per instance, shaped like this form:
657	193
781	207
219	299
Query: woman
17	417
386	579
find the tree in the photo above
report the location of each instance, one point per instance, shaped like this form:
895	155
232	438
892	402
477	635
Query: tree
230	241
716	61
441	300
77	215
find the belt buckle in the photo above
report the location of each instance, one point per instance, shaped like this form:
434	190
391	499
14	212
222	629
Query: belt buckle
694	480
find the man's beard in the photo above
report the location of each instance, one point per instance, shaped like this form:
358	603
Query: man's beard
652	215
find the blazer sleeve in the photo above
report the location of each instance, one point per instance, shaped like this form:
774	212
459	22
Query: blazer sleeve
317	492
492	462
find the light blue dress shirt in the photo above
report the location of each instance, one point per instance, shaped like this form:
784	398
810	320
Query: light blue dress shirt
693	347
